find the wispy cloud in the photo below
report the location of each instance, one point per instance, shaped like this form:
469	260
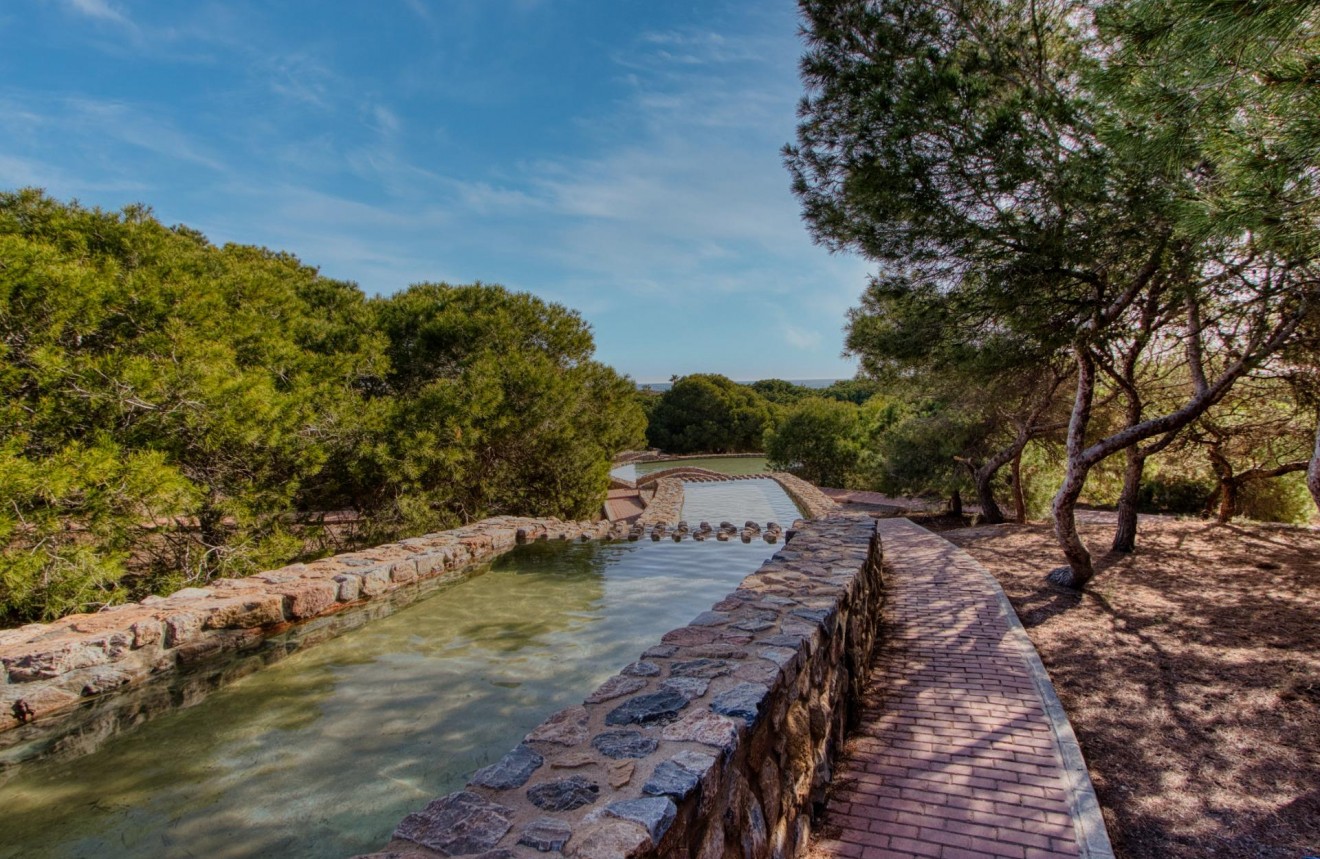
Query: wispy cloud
100	9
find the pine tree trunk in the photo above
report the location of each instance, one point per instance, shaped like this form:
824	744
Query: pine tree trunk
1125	535
1228	500
985	496
1080	570
1313	470
1019	498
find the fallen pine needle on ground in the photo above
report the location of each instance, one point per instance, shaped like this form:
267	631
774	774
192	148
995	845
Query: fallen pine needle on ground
1190	670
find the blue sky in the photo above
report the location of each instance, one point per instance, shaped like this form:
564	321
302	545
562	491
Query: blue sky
618	156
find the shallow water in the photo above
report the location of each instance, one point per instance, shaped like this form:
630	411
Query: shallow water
722	464
760	501
322	753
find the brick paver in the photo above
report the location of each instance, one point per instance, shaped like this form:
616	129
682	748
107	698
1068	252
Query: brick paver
959	753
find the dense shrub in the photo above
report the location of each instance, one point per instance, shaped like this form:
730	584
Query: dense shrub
174	411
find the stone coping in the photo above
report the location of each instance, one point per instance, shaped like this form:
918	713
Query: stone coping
47	671
51	672
716	742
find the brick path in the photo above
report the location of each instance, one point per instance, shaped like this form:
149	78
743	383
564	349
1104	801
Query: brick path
964	750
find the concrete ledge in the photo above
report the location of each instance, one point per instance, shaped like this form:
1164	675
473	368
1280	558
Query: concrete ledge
1092	835
717	742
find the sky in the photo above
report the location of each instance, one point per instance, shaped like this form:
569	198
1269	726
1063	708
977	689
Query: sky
620	157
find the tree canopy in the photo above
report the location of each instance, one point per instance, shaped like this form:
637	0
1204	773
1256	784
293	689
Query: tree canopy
173	410
1072	179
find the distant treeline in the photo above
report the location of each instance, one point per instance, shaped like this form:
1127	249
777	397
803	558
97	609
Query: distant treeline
174	411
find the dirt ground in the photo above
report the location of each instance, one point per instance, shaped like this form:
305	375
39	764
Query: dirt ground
1191	673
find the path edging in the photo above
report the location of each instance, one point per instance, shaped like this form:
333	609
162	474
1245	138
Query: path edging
1092	835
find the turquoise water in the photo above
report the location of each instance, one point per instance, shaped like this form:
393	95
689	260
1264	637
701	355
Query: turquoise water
320	755
722	464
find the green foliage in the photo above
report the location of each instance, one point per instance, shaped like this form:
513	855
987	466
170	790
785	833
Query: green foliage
817	441
172	409
708	413
780	392
1283	499
1174	494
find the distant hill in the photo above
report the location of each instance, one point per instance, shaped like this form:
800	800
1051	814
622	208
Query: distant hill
806	383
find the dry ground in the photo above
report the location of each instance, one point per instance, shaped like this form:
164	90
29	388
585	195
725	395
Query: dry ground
1191	673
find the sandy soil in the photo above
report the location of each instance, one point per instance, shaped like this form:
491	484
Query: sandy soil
1191	673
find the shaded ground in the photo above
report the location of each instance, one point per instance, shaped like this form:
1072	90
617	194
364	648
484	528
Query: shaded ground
1191	674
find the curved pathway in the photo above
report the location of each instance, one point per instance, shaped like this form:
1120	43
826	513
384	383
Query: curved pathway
964	749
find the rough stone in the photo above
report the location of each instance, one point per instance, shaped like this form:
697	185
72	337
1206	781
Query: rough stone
572	761
565	728
642	669
705	727
607	839
512	770
624	744
546	834
660	651
655	813
752	625
670	779
350	587
791	642
620	773
686	635
308	597
181	628
565	794
656	708
693	761
742	701
780	656
690	688
706	668
146	632
616	687
710	618
245	612
717	651
42	661
457	824
815	615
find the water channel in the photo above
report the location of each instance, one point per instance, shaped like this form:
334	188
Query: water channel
320	754
722	464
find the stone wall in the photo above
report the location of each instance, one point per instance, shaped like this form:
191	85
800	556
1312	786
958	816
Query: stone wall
666	505
50	671
717	742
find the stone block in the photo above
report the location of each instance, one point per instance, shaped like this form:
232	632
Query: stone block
546	834
307	598
245	612
565	728
350	587
457	824
654	813
656	708
616	687
513	770
48	660
564	794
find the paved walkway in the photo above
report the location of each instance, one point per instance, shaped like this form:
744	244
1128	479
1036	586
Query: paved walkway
964	750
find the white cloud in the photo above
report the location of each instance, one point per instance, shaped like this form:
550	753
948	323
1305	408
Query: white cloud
99	9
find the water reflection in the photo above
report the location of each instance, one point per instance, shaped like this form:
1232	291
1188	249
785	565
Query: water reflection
760	500
722	464
323	752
